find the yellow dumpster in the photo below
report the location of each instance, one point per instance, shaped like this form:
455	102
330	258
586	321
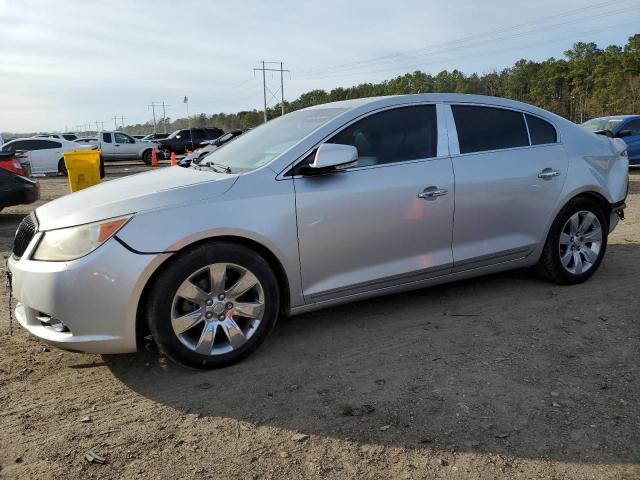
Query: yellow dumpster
83	168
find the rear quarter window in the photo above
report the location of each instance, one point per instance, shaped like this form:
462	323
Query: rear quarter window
487	128
541	131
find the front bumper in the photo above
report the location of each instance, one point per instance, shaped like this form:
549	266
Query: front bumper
96	297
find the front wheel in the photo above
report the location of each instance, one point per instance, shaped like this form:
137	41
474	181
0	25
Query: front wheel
576	243
213	305
146	157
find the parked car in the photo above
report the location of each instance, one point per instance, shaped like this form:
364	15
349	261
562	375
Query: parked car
46	155
62	136
91	140
626	127
182	140
119	146
207	147
16	188
155	136
325	205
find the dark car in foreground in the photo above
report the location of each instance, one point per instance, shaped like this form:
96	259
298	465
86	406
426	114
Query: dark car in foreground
155	136
208	147
625	127
15	186
187	139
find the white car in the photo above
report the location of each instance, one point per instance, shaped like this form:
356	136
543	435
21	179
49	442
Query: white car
62	136
46	155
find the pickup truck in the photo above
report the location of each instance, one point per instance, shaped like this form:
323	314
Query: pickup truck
187	139
119	145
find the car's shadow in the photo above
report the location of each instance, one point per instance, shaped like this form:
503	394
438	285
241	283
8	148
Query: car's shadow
505	364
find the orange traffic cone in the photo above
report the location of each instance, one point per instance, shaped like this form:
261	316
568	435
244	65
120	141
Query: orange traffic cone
154	158
174	160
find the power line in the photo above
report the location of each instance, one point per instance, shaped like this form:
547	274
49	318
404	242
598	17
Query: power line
448	45
491	52
406	66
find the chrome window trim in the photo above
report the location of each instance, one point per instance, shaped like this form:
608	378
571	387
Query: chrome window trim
523	112
283	174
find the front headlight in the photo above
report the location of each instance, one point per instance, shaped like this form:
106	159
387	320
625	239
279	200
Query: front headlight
74	242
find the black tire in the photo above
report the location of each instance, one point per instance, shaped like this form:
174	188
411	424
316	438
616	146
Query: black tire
146	157
166	284
166	153
550	265
62	168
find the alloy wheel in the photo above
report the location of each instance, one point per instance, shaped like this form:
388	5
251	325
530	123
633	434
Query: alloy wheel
217	309
580	242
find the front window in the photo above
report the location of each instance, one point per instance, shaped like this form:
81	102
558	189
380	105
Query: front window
264	143
600	124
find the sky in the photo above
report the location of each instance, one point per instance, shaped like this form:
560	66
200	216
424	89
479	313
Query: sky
66	63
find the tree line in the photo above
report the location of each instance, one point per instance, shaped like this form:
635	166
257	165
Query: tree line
588	82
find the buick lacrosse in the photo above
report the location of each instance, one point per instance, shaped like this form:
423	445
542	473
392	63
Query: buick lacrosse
325	205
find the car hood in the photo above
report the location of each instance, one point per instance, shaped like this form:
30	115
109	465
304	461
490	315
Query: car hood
135	193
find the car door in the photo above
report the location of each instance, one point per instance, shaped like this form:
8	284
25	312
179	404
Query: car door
125	145
44	155
631	137
509	173
107	148
386	221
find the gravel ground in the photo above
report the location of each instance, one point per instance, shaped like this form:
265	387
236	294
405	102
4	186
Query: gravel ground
504	376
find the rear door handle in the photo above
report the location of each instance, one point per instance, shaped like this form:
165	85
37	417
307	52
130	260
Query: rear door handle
548	174
431	193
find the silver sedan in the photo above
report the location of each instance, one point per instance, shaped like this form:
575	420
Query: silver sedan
325	205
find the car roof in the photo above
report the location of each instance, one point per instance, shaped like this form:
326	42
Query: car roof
372	103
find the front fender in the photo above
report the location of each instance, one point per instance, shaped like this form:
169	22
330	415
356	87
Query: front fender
259	211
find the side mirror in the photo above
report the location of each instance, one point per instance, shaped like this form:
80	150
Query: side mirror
624	133
334	157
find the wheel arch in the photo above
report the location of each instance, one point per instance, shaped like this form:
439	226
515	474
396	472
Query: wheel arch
142	330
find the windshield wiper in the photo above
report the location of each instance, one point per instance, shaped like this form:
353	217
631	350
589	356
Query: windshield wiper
216	167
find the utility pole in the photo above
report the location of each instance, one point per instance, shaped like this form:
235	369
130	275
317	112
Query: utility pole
153	109
101	123
264	70
115	121
282	87
164	117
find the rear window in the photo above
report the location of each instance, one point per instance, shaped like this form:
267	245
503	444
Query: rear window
541	131
486	128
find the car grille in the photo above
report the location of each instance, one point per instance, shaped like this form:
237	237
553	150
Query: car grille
26	230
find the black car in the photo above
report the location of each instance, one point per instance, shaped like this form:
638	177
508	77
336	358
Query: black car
182	140
208	147
155	136
15	187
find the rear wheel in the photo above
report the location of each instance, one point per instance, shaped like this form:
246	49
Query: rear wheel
576	243
62	168
213	305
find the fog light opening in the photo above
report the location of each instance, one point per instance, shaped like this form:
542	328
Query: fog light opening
52	323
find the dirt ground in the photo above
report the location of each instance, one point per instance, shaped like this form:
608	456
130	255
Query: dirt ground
498	377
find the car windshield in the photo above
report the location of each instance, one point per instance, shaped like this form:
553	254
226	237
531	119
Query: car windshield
599	124
174	134
264	143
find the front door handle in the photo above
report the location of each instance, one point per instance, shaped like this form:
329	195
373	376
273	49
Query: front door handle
548	174
431	193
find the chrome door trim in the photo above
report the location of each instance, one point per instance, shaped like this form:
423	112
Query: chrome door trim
416	284
381	283
491	259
